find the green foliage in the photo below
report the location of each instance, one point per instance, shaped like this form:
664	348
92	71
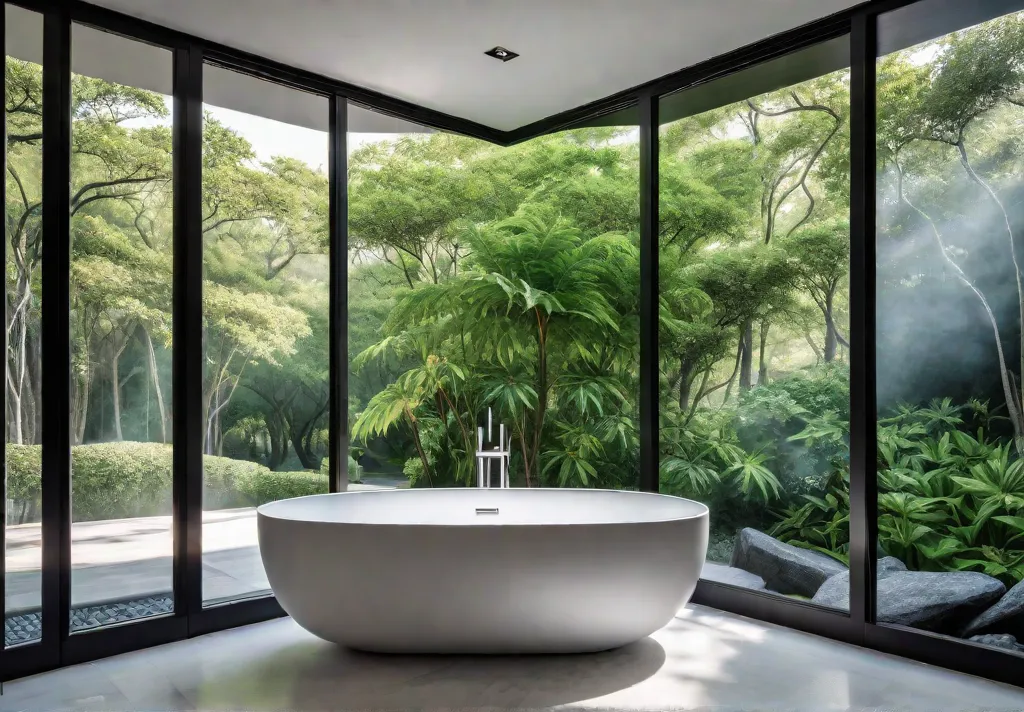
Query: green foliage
532	327
948	500
821	523
484	277
801	422
131	479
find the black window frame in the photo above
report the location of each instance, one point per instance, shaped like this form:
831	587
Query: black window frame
639	106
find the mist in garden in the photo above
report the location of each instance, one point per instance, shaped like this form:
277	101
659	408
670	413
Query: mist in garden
937	324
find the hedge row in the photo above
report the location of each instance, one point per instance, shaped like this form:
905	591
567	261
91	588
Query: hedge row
132	479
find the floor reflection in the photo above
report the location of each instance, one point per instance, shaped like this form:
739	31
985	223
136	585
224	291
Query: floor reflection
703	659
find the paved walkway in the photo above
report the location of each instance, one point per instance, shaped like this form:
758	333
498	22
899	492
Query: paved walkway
119	559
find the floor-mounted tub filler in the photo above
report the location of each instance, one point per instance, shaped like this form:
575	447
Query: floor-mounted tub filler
483	570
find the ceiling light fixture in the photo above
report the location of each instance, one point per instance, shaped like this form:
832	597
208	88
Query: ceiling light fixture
501	53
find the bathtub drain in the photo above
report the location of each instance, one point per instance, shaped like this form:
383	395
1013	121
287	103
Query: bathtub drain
486	510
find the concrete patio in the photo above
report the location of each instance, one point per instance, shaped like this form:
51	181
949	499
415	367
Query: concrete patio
122	559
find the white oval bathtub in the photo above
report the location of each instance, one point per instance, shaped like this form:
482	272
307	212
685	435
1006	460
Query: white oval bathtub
483	570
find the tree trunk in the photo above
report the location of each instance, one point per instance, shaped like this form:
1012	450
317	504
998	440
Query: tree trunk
307	446
297	437
542	394
15	432
80	406
115	393
1010	391
762	362
300	451
419	445
277	442
207	406
814	347
831	342
685	385
16	383
35	389
154	376
747	358
218	436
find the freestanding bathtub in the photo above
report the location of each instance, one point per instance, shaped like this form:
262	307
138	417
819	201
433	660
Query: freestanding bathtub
483	570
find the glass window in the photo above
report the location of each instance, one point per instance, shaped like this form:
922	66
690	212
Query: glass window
265	315
754	361
492	290
121	277
23	32
950	304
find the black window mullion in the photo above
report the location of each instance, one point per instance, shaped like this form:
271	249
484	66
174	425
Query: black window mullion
338	285
56	325
863	409
648	398
187	387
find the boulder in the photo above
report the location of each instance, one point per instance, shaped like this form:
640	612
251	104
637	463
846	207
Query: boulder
938	601
888	565
835	593
1003	640
720	573
785	568
1006	616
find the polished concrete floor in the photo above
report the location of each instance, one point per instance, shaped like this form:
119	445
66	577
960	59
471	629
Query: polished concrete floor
702	660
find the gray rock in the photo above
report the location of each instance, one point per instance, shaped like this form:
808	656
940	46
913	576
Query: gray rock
939	601
1000	640
835	593
1007	615
888	565
720	573
785	568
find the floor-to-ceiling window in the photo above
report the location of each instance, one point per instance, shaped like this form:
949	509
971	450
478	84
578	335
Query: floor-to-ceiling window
950	306
492	288
121	340
265	315
753	241
23	36
499	286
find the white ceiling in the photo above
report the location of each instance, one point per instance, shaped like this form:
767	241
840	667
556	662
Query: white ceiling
430	52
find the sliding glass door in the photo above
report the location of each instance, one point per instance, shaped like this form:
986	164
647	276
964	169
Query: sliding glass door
266	387
23	506
754	359
950	105
121	281
255	290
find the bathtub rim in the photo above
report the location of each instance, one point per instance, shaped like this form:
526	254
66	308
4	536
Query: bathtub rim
265	510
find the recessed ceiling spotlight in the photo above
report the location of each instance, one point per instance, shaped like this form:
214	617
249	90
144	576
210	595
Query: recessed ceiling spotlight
501	53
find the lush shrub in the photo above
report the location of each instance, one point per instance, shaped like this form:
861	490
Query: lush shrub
24	463
132	479
355	470
268	486
773	420
950	497
125	479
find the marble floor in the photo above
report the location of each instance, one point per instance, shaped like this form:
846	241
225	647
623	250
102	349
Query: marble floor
702	660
